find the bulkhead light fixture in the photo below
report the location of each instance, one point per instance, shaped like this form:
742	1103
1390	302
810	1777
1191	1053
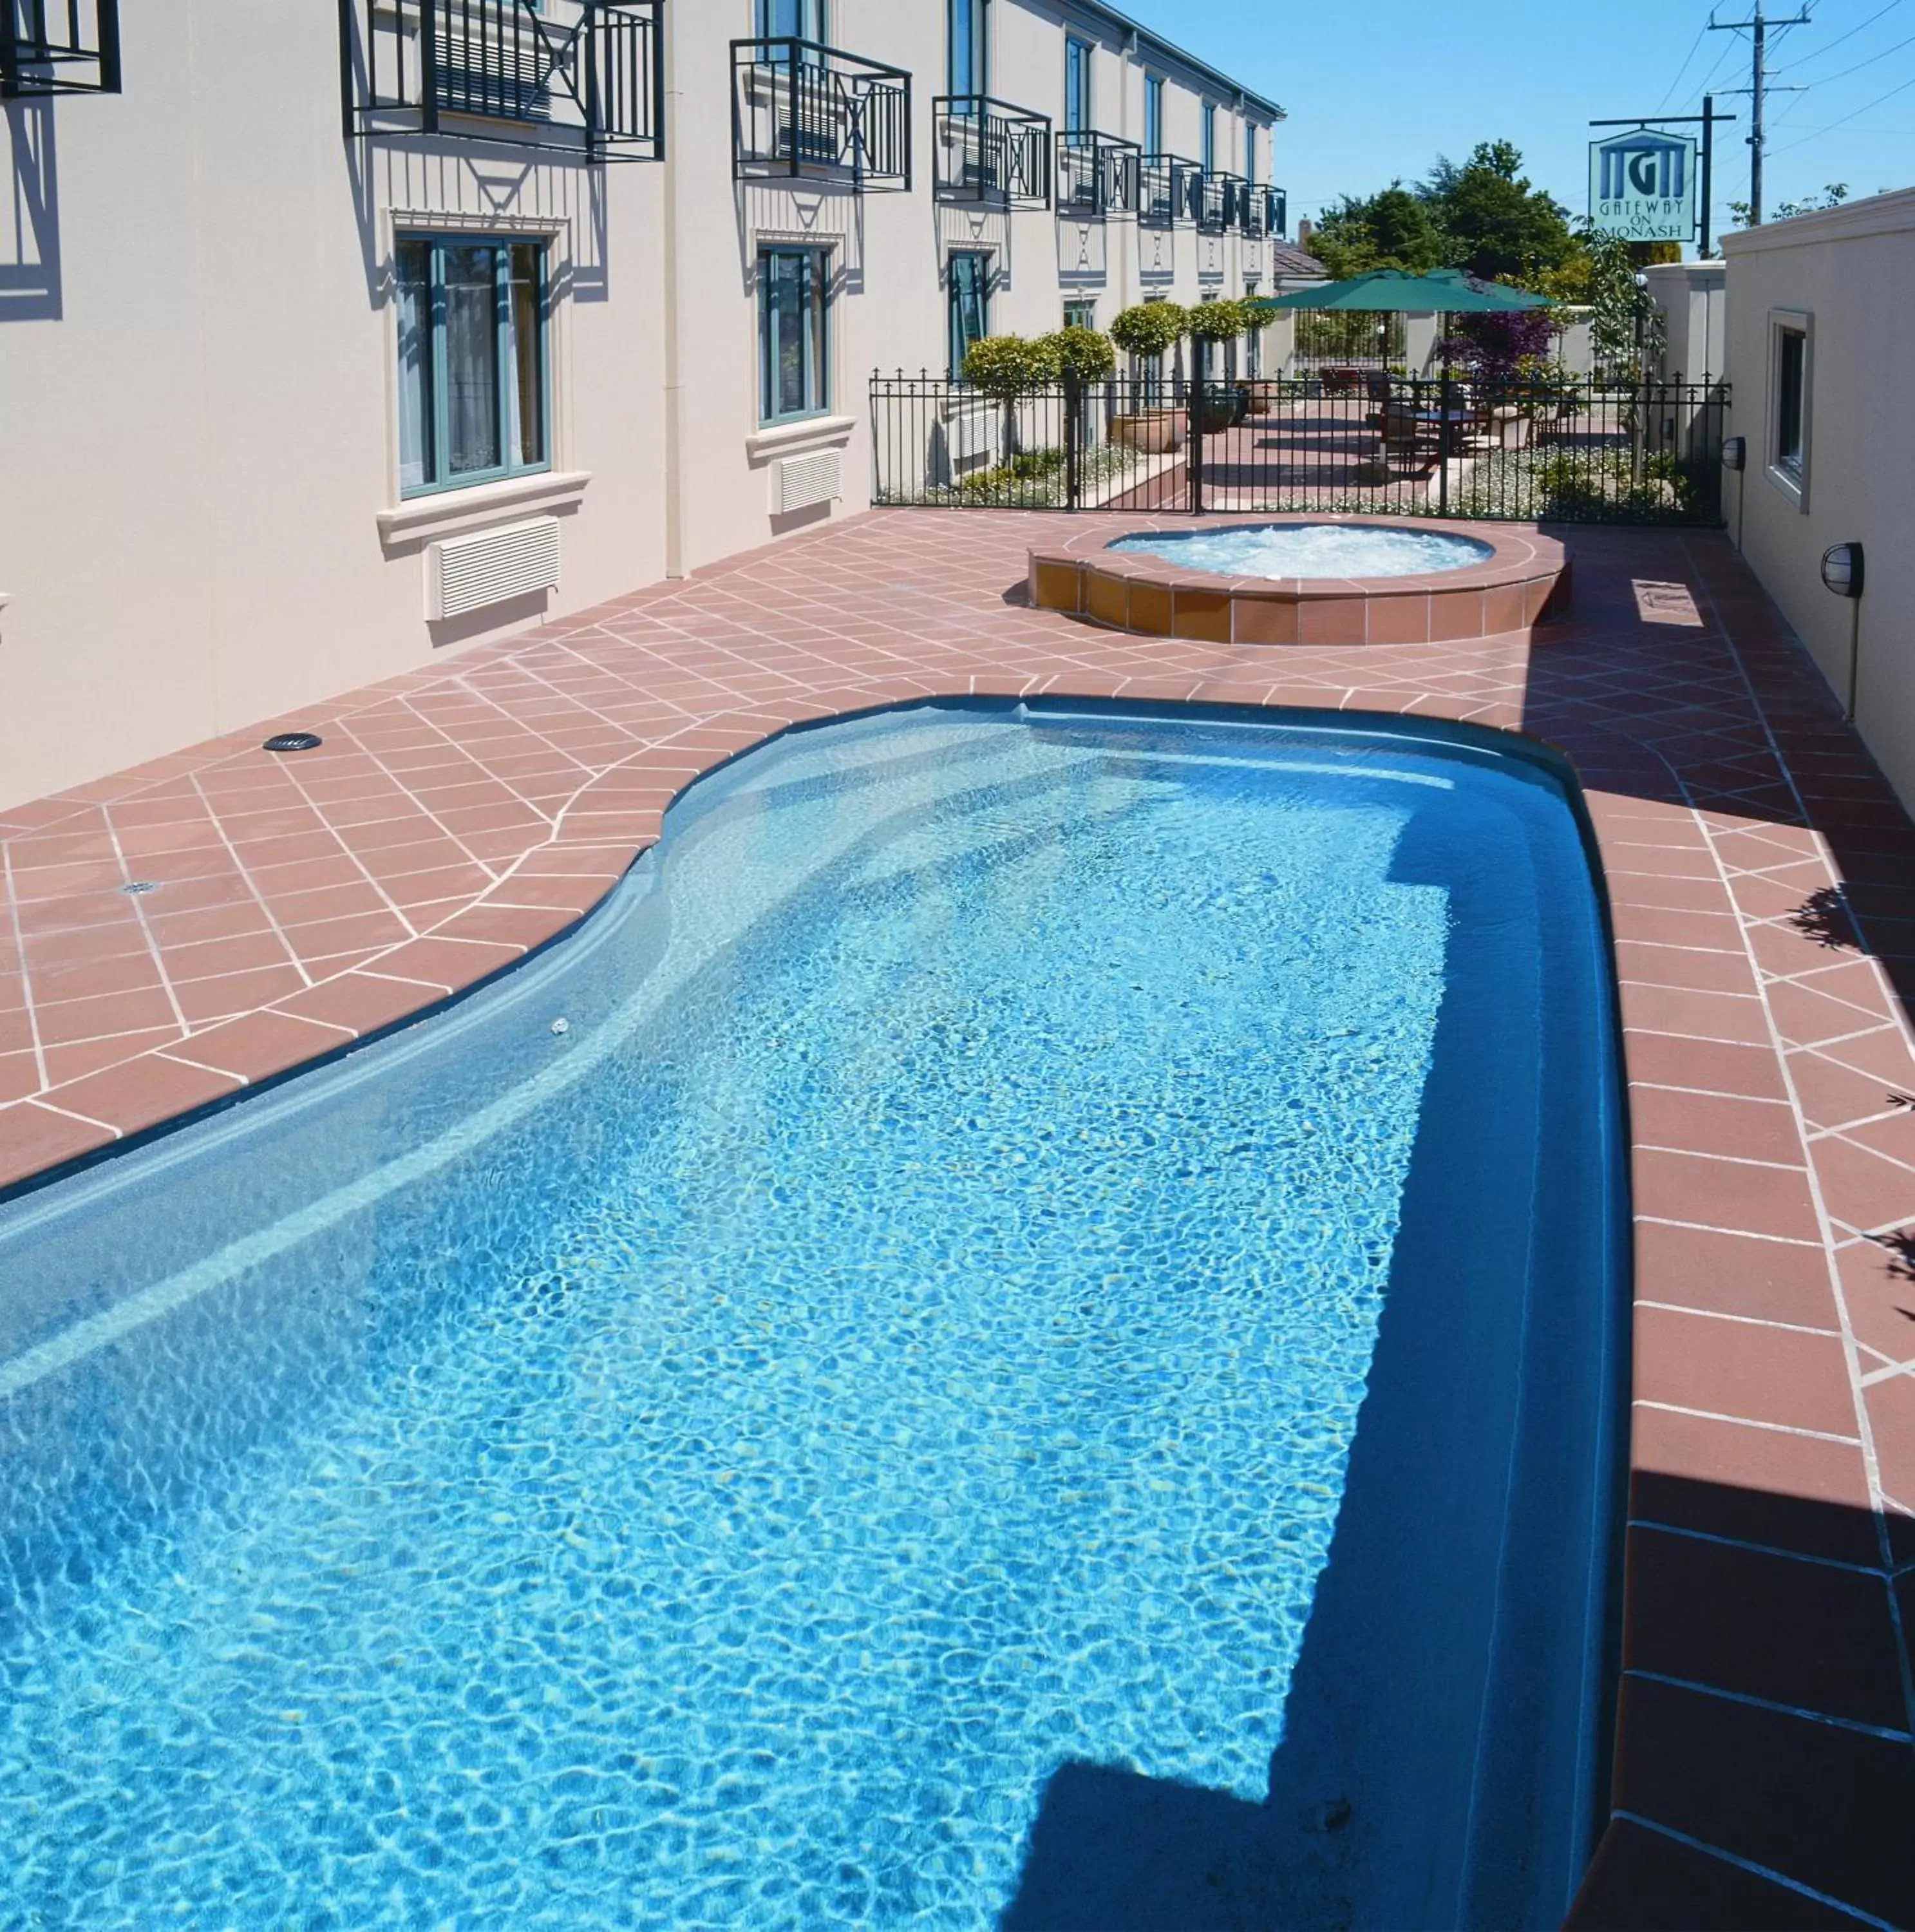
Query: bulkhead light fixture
1735	452
1841	569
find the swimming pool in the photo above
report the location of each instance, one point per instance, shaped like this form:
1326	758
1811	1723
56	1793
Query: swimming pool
1311	549
1023	1327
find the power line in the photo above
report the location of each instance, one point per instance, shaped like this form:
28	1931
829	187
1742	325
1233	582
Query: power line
1830	46
1847	117
1670	95
1842	74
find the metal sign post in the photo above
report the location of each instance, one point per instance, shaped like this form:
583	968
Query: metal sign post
1645	175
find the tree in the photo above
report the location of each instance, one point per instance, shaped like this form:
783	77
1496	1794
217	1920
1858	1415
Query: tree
1481	214
1499	226
1627	328
1393	229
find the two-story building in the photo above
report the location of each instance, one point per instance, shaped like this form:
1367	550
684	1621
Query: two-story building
334	337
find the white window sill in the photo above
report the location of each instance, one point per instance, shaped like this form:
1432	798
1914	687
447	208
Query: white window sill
452	513
794	438
1795	488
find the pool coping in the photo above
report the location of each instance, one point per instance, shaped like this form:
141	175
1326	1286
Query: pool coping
1761	876
1524	580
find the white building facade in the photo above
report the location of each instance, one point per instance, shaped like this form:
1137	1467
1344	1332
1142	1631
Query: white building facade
338	338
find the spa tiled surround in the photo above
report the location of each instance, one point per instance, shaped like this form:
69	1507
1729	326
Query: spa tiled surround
1525	578
173	935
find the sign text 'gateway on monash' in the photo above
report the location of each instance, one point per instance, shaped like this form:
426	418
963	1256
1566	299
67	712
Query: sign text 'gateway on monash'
1642	186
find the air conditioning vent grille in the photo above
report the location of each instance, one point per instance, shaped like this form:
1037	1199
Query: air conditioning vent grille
805	480
465	574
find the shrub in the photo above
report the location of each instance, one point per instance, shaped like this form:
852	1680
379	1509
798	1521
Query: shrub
1150	329
1007	367
1219	321
1081	355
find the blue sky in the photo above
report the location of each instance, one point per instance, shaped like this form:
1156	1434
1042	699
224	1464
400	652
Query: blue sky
1377	89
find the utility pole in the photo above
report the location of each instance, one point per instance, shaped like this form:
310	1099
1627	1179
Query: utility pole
1758	88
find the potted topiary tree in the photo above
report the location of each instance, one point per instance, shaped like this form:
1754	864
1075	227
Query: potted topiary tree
1213	323
1149	332
1007	368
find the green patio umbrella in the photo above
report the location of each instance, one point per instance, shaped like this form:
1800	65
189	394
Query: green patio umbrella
1442	291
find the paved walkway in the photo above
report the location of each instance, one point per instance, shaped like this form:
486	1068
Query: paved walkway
1763	882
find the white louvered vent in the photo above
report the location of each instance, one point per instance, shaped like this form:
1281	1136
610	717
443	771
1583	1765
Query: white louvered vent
465	574
971	433
803	481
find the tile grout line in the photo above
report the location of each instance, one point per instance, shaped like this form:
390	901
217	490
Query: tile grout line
1871	1462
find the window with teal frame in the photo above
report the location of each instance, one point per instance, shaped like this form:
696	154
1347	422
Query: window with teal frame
1209	139
967	45
794	368
1153	114
472	360
792	20
969	276
1077	103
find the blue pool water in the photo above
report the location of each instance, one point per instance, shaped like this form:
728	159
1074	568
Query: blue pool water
1311	549
988	1374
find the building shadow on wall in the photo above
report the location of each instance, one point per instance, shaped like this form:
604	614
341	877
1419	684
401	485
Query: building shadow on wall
30	229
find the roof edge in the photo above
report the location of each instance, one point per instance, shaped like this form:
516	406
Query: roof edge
1111	16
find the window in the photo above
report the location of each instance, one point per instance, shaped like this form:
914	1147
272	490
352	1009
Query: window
792	20
1081	315
472	361
969	277
1077	105
1153	114
965	46
1791	451
1250	134
794	366
1209	139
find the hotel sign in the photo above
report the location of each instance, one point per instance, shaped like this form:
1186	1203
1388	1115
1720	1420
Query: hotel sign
1642	186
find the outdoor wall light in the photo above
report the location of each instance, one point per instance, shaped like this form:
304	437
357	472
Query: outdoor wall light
1841	572
1841	569
1735	452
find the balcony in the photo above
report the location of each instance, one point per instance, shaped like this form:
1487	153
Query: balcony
1276	212
804	110
1224	203
990	152
581	78
1097	174
1172	193
50	47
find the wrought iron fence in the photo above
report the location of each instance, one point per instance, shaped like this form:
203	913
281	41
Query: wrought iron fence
1558	451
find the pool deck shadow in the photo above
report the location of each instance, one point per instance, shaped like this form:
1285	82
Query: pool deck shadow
1760	874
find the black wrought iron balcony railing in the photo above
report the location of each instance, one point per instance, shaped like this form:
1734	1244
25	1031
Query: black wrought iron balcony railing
1276	212
1098	175
1222	202
799	108
1173	191
580	77
990	151
58	46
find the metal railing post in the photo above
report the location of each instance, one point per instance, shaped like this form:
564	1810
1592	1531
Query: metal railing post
1446	390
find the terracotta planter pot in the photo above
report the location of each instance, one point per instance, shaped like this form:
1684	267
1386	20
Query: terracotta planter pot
1150	432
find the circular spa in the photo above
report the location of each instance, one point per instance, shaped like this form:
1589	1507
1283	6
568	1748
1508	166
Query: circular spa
1316	580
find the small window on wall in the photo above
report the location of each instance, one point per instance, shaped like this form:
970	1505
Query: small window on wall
1789	456
472	361
1081	315
1153	114
793	363
1078	104
970	275
965	47
1209	138
792	20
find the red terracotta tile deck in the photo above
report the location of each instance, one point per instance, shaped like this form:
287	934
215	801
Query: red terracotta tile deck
1763	880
